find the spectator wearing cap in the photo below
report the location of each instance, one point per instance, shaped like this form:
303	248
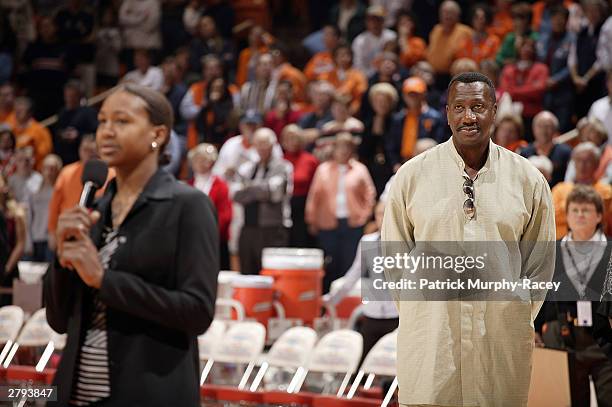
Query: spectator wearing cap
521	19
7	103
259	41
145	74
383	98
265	188
591	129
445	40
349	16
417	121
509	131
412	48
258	94
545	129
73	121
321	95
322	62
29	132
339	204
233	153
345	78
526	81
208	41
202	158
284	111
586	157
481	45
284	71
370	43
304	167
553	50
7	151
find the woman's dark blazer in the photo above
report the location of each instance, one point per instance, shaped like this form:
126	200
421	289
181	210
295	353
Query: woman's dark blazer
160	293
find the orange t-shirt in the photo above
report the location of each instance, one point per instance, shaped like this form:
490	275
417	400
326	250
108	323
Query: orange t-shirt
502	24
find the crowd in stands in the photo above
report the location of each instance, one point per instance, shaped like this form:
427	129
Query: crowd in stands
296	154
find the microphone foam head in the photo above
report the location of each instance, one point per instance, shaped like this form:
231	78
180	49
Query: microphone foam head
95	171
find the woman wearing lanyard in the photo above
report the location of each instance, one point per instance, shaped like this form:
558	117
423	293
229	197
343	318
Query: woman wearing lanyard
582	257
135	281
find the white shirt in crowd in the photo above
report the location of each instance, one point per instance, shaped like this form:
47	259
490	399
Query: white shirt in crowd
341	207
139	21
153	78
366	46
602	109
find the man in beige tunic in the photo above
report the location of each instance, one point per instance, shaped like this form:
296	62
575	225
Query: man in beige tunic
471	353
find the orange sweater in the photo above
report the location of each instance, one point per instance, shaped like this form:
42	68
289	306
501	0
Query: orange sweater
560	193
321	202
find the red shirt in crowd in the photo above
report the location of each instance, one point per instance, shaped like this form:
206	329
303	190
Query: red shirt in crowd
526	86
304	167
219	195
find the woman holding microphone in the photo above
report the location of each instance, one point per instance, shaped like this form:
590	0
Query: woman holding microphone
135	280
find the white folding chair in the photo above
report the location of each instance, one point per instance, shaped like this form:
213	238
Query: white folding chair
11	320
380	361
241	344
290	352
337	352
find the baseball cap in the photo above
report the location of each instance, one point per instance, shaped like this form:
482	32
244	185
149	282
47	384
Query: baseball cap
414	84
251	116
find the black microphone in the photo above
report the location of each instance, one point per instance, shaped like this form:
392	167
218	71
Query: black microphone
93	178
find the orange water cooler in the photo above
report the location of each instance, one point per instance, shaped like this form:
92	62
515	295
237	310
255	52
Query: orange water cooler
298	276
256	294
